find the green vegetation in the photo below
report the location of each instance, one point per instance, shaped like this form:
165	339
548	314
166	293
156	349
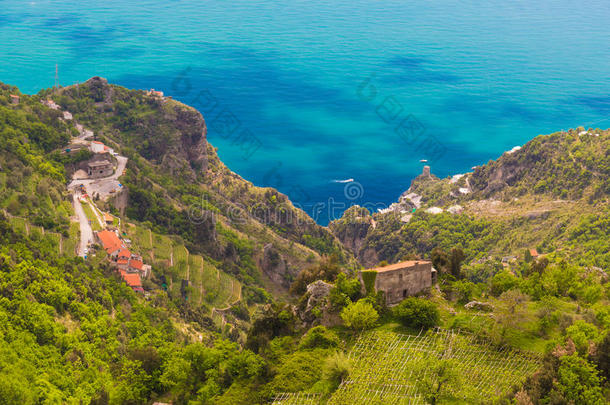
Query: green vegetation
359	315
417	313
72	332
369	277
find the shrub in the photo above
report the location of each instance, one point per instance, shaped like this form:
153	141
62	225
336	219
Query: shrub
417	313
336	369
359	315
503	281
319	336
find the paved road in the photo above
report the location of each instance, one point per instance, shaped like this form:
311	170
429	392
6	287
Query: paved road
86	233
105	185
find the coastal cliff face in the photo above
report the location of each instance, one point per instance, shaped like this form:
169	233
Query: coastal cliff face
543	195
352	229
176	181
162	130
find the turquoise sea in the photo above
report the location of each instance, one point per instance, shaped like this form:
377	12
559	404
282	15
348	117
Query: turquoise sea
299	93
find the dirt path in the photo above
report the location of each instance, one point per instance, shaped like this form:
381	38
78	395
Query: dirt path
152	251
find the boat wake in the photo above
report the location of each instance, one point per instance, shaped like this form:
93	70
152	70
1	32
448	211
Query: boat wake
342	181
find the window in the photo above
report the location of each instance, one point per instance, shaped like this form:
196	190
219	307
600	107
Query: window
400	277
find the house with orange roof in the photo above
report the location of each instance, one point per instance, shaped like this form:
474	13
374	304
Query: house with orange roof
135	265
110	242
109	219
123	254
400	280
14	99
534	253
133	280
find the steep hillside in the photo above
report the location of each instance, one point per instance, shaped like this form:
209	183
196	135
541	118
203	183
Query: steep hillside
552	195
176	183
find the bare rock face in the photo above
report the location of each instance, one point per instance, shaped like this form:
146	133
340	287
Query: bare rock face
352	228
192	144
479	306
317	293
274	265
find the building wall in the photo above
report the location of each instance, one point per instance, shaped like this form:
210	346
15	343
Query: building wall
401	283
102	171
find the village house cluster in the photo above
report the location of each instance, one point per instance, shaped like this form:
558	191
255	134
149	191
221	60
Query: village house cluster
129	265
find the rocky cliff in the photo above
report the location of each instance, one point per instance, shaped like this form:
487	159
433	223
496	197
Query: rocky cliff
176	181
532	196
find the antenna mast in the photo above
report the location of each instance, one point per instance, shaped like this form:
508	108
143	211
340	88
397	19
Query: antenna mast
56	78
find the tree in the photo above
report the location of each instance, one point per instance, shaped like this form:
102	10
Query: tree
436	378
359	315
602	357
319	336
510	312
439	259
578	381
527	256
455	262
417	313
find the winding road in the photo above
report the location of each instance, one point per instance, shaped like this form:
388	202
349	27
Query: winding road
86	233
103	188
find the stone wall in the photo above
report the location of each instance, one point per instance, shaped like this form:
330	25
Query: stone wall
401	283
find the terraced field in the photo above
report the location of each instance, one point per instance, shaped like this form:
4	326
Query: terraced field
62	244
388	368
206	284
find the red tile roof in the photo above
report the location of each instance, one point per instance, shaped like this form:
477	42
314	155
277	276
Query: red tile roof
400	265
132	279
124	253
122	261
534	252
136	264
110	241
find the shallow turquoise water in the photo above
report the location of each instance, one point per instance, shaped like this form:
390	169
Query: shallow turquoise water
298	94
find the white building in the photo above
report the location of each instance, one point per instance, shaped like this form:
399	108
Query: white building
97	147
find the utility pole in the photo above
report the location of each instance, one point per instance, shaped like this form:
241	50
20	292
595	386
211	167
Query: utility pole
56	78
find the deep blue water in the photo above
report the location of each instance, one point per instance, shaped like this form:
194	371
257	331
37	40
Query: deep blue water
299	93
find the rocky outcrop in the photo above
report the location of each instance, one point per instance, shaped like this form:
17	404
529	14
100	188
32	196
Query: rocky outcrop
274	266
316	309
479	306
352	230
192	145
161	129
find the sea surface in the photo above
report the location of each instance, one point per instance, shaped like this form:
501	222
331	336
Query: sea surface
335	102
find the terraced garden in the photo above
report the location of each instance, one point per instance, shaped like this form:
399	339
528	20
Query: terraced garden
207	285
62	244
389	368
